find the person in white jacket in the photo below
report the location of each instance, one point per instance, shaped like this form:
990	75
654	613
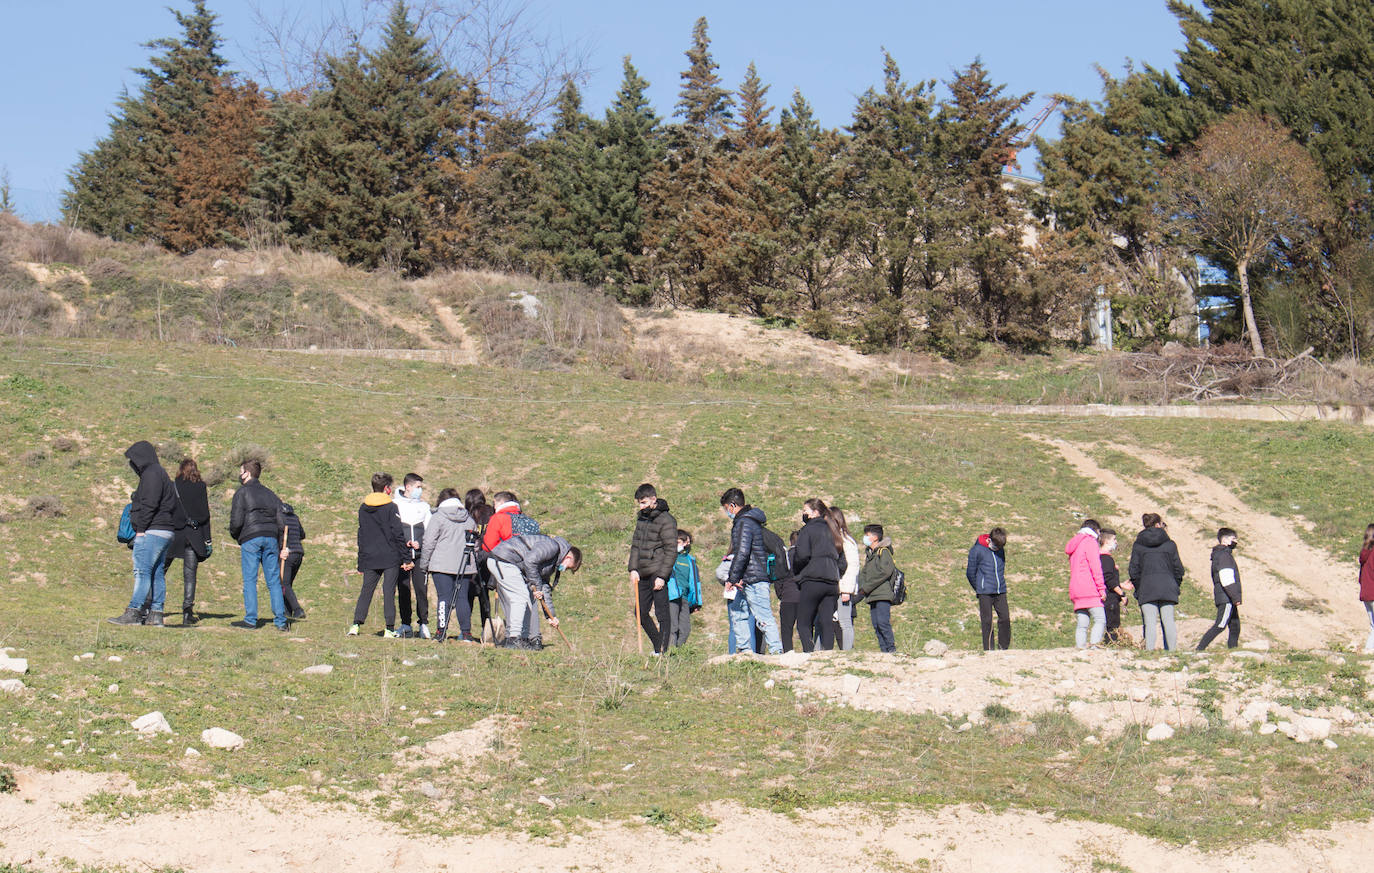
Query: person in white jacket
415	513
849	582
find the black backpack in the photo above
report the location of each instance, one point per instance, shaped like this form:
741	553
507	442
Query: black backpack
779	565
898	587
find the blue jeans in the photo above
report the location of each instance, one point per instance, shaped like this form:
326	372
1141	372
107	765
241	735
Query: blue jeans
750	607
880	614
262	551
150	565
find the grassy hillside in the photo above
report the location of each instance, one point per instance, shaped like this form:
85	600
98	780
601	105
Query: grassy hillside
574	446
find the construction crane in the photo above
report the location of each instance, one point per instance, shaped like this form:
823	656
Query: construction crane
1009	157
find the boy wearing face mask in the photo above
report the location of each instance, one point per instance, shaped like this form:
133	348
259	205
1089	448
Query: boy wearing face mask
1225	591
415	513
256	521
875	585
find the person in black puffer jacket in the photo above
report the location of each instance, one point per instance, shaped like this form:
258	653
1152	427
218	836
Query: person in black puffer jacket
154	512
1225	591
1157	574
817	568
747	576
653	549
292	554
256	521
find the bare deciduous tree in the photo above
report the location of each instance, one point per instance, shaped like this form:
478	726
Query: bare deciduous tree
1245	188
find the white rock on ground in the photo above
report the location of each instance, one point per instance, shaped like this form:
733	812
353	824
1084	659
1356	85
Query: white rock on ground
14	665
1268	728
88	656
849	684
113	688
1310	728
219	738
794	658
11	686
319	670
1330	744
1159	732
191	753
1139	693
114	659
935	648
151	723
1288	729
1255	710
769	683
1257	645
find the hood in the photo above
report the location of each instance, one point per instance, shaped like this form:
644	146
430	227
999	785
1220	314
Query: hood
141	456
376	499
985	541
660	506
287	509
753	512
1078	538
453	510
1152	537
1220	548
512	508
884	543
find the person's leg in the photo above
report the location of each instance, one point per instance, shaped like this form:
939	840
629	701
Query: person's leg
684	622
515	597
288	588
1233	633
1080	633
445	586
462	603
645	590
762	613
787	617
1149	620
370	578
985	619
162	545
1166	621
420	583
665	622
741	623
806	615
1223	619
1112	608
845	611
403	594
1099	625
144	550
389	579
880	614
1369	613
271	572
999	604
674	611
190	565
829	601
249	560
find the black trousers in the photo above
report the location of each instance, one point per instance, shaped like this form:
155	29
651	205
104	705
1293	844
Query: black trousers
413	579
659	633
1112	607
818	598
189	562
1228	617
453	593
987	605
288	591
479	596
787	622
370	577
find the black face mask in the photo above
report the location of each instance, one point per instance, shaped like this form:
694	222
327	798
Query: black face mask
804	518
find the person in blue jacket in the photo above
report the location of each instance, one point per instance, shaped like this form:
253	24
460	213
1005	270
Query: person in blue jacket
987	575
684	590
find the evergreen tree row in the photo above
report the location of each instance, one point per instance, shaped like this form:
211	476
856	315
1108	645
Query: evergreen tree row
901	228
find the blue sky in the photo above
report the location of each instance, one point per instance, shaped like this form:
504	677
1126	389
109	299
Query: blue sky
64	62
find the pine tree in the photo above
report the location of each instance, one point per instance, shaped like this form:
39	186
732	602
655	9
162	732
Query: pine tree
123	187
814	230
630	146
566	214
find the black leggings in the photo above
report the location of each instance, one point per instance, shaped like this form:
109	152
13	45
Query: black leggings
288	591
406	580
818	598
787	622
189	562
453	592
657	634
370	577
987	605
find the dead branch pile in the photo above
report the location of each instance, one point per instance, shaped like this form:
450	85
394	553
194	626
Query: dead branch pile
1217	374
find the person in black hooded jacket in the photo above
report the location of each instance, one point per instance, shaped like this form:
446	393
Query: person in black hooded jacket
817	568
382	549
1225	591
154	513
653	549
1157	574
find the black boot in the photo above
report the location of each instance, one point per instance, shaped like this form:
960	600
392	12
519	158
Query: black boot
130	616
154	619
188	616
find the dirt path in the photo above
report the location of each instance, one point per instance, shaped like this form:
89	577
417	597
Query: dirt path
1276	564
466	348
241	834
415	329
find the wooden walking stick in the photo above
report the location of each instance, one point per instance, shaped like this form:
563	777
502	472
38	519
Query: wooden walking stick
549	615
281	574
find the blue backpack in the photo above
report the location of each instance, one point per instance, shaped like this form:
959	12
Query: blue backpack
522	525
126	534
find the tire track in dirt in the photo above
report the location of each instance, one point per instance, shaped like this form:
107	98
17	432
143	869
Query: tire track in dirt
1275	563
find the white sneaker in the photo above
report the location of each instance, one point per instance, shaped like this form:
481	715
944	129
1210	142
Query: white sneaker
353	630
424	632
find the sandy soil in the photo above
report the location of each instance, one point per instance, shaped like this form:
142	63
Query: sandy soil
1275	563
241	834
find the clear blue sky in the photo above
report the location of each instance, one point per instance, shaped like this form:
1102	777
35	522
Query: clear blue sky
64	62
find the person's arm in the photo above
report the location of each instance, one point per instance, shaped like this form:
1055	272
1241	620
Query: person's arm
1176	563
1229	579
144	501
236	514
971	567
803	553
397	531
1133	568
432	534
498	529
693	582
743	550
866	576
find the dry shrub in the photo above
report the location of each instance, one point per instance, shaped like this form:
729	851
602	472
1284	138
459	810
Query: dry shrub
108	270
26	310
227	468
45	506
33	457
50	244
573	324
64	444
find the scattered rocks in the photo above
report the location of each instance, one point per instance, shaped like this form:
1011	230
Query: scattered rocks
11	686
849	684
319	670
113	688
1140	694
88	656
1288	730
1091	740
1255	710
935	648
1310	728
114	659
219	738
191	753
1330	744
151	723
429	790
14	665
1159	732
794	658
966	726
407	663
546	802
1268	728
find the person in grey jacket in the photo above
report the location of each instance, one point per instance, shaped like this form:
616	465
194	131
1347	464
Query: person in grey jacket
536	559
449	554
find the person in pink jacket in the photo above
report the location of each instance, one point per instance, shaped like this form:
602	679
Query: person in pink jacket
1087	588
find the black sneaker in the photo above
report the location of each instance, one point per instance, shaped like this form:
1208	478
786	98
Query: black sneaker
298	615
130	616
244	624
441	636
189	618
154	619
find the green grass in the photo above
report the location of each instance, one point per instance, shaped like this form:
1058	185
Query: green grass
599	729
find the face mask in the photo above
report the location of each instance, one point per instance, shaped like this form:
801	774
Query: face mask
804	518
730	515
868	541
417	491
681	548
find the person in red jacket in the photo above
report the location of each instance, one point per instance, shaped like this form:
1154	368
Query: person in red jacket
499	528
516	602
1367	583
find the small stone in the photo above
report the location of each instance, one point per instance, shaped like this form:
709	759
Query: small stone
1164	788
1140	693
849	684
319	670
546	802
1255	710
114	688
1336	660
76	658
966	726
14	665
439	713
1268	728
88	656
11	686
191	753
769	683
114	659
349	655
1288	729
1159	732
151	723
422	720
1091	740
1330	744
429	790
1310	728
219	738
407	663
1257	645
935	648
794	658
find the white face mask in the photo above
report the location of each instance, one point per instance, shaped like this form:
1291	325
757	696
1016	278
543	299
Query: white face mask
869	542
681	548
